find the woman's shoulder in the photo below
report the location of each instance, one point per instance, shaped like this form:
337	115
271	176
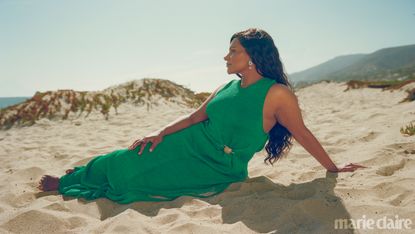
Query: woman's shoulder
281	91
277	87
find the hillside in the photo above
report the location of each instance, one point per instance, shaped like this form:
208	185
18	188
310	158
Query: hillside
64	104
395	63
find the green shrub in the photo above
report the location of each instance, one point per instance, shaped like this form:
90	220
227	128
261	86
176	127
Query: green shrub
408	130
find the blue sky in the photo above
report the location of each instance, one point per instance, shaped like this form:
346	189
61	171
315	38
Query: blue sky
90	45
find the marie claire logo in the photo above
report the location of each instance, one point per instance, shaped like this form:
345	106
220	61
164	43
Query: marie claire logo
368	223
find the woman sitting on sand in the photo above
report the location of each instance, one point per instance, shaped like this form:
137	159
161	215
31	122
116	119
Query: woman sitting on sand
202	154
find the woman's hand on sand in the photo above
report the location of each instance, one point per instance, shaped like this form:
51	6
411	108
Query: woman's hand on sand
351	167
154	138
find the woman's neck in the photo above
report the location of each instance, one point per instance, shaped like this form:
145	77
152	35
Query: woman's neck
248	80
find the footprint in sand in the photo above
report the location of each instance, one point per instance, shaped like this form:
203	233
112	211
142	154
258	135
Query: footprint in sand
345	116
370	136
400	199
57	207
391	169
389	152
168	218
76	221
374	115
404	148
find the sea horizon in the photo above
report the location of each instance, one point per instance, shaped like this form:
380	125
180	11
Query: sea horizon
9	101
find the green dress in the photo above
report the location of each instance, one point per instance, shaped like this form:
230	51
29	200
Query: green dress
201	160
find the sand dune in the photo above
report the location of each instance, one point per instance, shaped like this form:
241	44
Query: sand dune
294	196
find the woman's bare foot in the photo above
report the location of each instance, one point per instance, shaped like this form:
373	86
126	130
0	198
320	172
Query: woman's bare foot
48	183
69	171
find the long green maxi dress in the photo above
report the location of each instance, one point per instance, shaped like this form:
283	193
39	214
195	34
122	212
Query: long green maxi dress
201	160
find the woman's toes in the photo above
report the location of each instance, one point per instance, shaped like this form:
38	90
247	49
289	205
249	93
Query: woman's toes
69	171
49	183
41	182
40	185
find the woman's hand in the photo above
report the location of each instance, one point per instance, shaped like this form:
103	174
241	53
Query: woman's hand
155	138
351	167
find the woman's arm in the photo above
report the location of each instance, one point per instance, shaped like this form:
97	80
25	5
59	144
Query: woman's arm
288	114
185	121
177	125
311	144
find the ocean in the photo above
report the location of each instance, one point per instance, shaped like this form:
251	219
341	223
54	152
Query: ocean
8	101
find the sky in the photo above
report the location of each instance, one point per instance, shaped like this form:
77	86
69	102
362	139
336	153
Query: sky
91	45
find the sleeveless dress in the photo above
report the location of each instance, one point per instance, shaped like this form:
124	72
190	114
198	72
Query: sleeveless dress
201	160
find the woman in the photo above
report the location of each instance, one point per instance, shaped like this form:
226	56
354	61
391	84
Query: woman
203	153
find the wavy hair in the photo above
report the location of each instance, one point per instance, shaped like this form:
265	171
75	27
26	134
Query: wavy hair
264	54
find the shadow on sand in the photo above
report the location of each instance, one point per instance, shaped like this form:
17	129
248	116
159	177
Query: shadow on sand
259	203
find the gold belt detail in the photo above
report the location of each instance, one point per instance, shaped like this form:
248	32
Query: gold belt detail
227	149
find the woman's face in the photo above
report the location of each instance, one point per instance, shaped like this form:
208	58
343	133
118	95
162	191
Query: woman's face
237	58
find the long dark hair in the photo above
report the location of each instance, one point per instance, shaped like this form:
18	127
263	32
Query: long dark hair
264	54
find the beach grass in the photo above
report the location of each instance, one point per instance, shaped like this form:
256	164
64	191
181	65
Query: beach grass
408	130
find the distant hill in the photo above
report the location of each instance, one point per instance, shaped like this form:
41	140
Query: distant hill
384	64
64	104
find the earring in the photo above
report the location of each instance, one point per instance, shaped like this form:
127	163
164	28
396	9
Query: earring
250	64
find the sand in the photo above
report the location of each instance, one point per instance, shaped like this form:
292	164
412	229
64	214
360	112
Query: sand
296	195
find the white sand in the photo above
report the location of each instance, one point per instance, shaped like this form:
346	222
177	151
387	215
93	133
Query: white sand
294	196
